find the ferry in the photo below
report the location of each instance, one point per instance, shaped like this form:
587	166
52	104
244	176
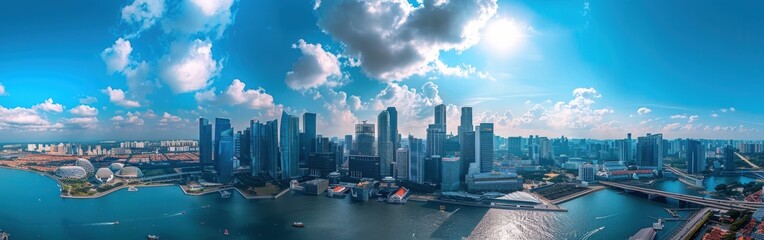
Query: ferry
298	224
152	237
225	194
132	189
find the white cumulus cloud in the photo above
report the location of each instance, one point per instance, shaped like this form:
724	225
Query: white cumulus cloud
643	111
117	56
84	111
191	17
189	66
117	96
577	113
314	68
49	106
394	39
143	13
82	122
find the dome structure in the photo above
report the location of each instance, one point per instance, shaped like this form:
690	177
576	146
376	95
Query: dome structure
71	172
130	172
115	167
104	175
85	164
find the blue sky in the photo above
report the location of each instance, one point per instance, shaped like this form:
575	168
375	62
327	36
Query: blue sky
147	69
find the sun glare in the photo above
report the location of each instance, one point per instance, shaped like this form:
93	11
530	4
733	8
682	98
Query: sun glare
504	35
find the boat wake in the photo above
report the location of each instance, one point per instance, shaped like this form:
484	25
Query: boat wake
609	216
455	211
591	233
101	224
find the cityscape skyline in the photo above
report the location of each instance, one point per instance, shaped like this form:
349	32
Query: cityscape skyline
140	70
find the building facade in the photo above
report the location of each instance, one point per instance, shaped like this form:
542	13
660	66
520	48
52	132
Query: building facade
289	146
451	168
205	143
485	144
696	156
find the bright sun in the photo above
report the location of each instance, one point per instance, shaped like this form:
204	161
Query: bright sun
504	35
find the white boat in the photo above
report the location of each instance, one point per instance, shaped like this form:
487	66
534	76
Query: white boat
225	194
132	189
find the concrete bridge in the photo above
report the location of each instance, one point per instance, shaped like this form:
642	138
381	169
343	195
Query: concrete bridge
707	202
692	181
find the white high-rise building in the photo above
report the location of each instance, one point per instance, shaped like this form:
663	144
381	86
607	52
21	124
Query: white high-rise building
586	172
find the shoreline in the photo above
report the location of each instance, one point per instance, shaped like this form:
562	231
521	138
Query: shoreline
577	194
110	191
242	194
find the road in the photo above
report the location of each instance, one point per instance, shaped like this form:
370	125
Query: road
746	160
690	224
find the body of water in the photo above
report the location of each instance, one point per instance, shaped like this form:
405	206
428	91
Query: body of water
30	208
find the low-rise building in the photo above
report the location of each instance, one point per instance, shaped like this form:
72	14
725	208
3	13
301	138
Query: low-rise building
494	182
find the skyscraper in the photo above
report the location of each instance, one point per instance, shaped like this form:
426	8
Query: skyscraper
485	131
467	151
402	163
260	146
221	124
384	143
515	145
440	114
225	159
349	143
696	157
308	136
393	122
466	121
205	143
256	147
364	139
289	146
729	158
450	174
433	169
245	156
625	152
272	154
436	138
650	151
416	159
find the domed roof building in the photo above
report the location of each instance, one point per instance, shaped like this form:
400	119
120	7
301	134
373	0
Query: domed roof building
115	167
130	172
71	172
104	175
85	164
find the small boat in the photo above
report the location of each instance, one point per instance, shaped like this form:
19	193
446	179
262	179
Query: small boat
132	189
225	194
225	232
152	237
116	223
298	224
